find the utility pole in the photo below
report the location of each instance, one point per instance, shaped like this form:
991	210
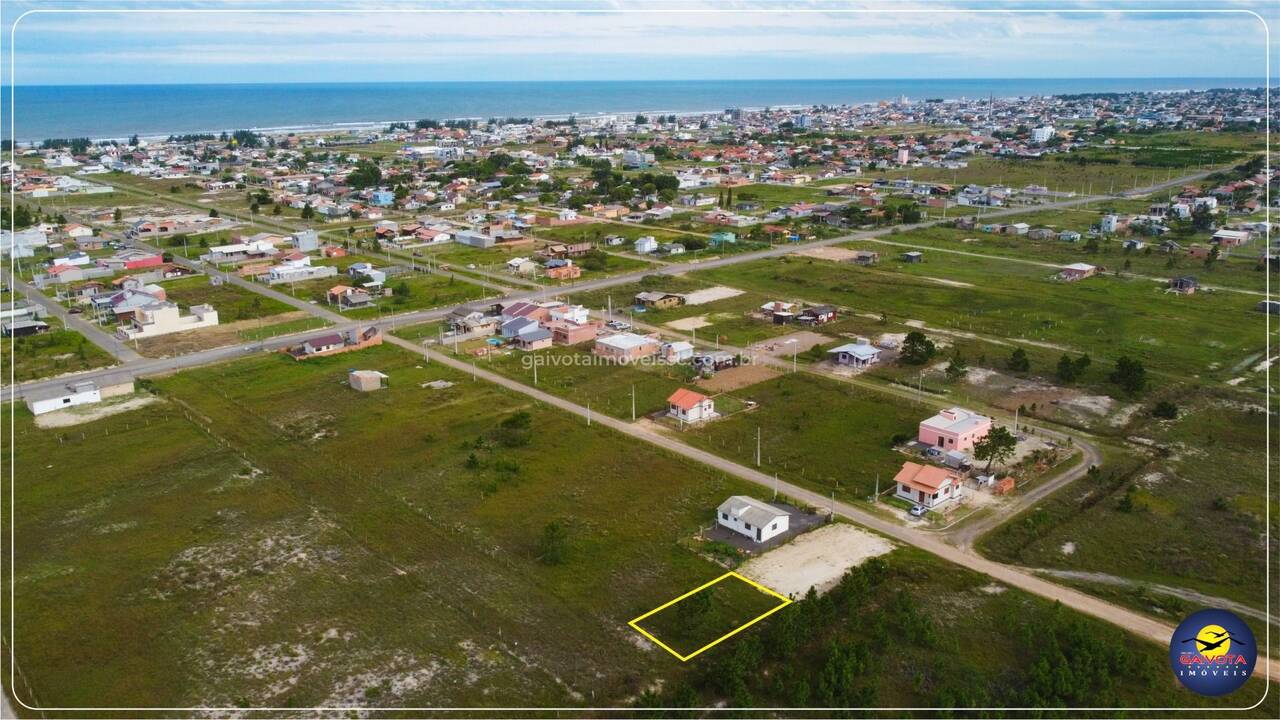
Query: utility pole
758	449
588	414
876	497
633	402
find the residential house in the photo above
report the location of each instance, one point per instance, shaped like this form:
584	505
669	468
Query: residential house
646	244
927	485
1185	285
658	300
164	318
752	518
537	338
625	347
855	355
689	406
954	429
817	315
1076	271
84	392
335	343
564	332
562	269
676	352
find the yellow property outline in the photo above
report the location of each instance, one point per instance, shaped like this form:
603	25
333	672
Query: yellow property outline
635	623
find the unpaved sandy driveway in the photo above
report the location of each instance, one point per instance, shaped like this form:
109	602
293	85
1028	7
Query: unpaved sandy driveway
711	294
817	559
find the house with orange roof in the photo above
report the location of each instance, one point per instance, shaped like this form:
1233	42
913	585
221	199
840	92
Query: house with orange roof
927	485
689	406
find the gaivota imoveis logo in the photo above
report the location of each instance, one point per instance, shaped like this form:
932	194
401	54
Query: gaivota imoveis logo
1213	652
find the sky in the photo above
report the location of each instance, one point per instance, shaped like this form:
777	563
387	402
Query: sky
60	42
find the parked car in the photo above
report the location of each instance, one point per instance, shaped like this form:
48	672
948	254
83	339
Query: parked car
917	511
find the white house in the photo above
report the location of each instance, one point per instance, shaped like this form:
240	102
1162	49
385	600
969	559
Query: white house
646	244
84	392
756	520
163	318
677	352
692	407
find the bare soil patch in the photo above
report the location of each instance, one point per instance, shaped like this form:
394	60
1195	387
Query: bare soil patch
89	413
209	338
779	346
834	254
817	559
738	377
689	323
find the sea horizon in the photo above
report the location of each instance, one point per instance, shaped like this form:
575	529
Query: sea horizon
114	111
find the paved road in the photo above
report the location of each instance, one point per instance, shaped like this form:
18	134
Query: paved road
1154	630
91	332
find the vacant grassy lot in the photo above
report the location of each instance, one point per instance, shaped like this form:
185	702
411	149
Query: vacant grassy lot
1189	513
576	374
1204	335
266	535
425	291
53	353
1055	172
262	553
828	435
1240	269
708	615
231	301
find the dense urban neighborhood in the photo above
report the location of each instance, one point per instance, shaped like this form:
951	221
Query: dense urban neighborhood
645	410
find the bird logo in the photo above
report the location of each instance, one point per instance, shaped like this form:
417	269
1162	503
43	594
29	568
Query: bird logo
1212	641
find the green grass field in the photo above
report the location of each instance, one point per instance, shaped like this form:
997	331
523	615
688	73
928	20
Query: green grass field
263	553
705	617
56	352
266	535
231	301
1201	336
1194	517
425	291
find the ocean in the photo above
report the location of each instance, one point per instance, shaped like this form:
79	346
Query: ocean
117	111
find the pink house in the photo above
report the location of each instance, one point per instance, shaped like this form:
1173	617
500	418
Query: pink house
954	429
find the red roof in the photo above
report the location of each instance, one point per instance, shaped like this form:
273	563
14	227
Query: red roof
923	477
686	399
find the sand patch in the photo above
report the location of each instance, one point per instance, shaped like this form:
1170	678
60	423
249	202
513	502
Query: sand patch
689	323
948	283
834	254
711	294
817	559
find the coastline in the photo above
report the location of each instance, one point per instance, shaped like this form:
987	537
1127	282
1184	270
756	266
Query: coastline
208	107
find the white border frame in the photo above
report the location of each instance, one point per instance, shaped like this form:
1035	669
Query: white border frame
647	9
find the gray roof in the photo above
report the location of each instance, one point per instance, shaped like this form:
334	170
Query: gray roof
750	510
63	389
861	350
